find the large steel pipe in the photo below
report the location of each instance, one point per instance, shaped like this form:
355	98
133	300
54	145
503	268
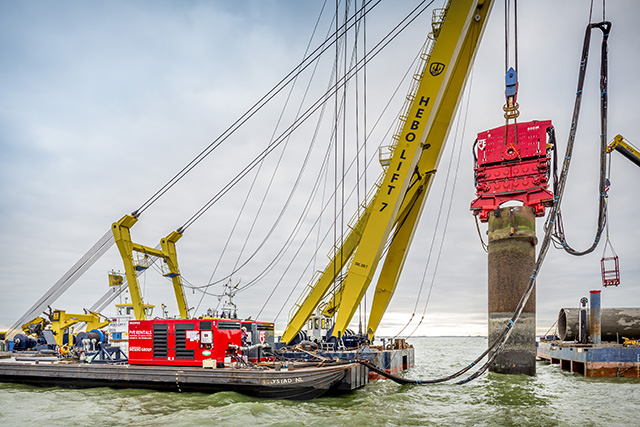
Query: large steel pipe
614	323
512	240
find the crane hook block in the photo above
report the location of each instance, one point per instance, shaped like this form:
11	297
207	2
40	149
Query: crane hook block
511	80
514	166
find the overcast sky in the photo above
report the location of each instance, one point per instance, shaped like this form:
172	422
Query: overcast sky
101	103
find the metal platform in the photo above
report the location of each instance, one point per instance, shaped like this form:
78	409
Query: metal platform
295	382
592	360
393	361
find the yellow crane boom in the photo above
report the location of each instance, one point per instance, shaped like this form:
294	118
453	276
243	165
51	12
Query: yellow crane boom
625	148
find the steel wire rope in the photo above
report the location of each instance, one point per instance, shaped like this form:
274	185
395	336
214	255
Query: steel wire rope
373	128
350	166
375	51
326	235
67	280
329	230
245	116
295	186
313	32
507	35
335	155
364	123
344	140
286	270
367	136
404	23
440	209
357	121
301	219
357	137
326	206
270	267
303	216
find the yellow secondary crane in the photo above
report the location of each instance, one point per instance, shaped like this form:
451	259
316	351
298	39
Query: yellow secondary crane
61	321
122	234
625	148
400	196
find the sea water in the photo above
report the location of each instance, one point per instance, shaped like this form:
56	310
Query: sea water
552	398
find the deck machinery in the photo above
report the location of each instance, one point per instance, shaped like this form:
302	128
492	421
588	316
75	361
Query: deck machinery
191	342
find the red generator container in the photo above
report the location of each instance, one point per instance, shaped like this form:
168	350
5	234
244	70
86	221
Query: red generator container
182	342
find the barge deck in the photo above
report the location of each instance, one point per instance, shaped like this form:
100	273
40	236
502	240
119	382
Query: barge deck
297	383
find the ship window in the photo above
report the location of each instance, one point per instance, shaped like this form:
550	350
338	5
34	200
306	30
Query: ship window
129	311
120	312
324	325
316	323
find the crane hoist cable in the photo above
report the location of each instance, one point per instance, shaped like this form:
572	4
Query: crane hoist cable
511	79
362	64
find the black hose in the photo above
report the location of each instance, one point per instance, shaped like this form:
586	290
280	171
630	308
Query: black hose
559	234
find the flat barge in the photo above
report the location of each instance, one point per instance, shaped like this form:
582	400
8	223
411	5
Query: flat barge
204	355
592	360
297	382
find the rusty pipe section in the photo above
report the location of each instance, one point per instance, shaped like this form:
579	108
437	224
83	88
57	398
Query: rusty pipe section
512	241
595	318
614	323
